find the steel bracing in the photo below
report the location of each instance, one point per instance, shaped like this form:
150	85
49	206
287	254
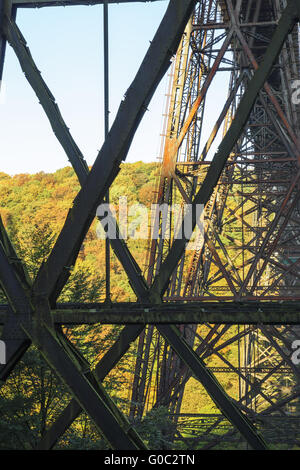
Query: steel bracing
247	251
243	270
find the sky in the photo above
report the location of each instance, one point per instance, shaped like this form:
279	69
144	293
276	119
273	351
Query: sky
67	47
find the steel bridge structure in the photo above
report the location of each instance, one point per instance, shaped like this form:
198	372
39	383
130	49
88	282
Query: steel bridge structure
237	286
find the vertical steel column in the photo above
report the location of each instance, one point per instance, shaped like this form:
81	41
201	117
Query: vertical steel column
106	129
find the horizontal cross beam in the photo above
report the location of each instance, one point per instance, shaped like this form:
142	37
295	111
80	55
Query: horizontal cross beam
223	313
47	340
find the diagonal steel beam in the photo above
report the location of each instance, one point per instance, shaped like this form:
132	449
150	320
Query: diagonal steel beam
18	342
96	383
47	100
6	9
224	398
2	41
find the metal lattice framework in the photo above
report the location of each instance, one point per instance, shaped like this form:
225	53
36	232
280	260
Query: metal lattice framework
32	315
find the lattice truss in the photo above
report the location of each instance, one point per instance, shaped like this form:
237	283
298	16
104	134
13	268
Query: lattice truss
255	166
